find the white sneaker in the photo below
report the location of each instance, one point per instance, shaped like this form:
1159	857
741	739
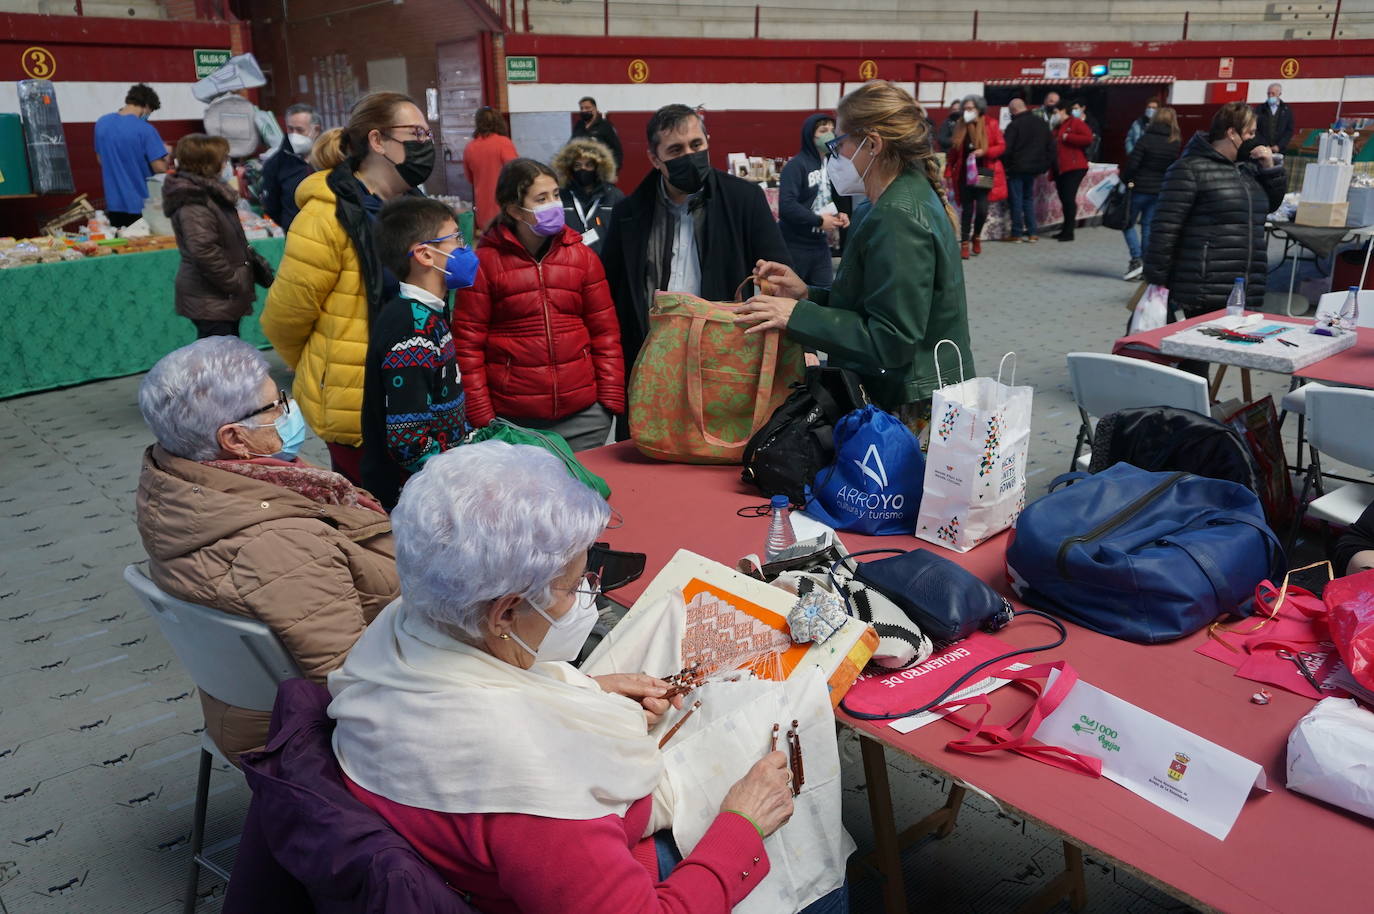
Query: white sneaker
1135	270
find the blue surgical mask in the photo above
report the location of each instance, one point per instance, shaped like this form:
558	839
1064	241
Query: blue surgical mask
1273	101
290	427
1078	113
460	267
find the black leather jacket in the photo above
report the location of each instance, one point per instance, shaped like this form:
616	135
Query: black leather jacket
1208	228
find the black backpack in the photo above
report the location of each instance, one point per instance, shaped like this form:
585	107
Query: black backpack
797	441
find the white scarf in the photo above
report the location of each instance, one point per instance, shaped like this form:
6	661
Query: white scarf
428	721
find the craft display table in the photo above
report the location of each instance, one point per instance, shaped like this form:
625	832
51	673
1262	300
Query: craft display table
101	317
1352	365
1285	854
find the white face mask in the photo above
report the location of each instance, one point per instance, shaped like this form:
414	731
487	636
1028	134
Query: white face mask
566	635
970	117
846	178
300	145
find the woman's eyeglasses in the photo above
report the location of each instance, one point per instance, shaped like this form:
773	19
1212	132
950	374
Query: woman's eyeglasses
283	402
833	146
417	133
591	584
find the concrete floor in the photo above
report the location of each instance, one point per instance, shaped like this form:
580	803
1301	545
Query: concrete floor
99	725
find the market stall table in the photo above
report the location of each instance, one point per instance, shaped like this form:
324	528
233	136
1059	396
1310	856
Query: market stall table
1353	367
1285	854
100	317
1321	241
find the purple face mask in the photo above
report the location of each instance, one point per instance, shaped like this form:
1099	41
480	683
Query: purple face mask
548	218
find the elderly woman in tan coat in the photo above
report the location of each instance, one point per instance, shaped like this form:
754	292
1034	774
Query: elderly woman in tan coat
232	519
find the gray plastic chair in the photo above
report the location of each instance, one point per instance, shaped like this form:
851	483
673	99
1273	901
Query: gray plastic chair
1340	425
237	660
1104	384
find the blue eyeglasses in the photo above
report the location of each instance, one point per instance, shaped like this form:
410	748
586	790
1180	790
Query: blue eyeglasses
458	234
833	146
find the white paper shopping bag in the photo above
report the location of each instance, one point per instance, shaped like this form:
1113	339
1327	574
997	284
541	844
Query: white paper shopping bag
975	483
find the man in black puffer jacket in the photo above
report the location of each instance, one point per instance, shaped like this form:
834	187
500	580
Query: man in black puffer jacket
1208	227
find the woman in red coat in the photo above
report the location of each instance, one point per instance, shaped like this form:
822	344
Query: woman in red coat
1072	137
537	337
975	153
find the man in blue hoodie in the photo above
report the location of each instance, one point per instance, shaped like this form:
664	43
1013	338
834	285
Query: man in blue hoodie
806	208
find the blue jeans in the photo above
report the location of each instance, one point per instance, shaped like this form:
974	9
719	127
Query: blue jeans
1021	189
837	902
1142	208
812	263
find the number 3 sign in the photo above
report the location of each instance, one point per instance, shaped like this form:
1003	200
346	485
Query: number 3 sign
39	63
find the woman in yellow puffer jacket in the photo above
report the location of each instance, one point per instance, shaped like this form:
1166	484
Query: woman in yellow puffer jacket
331	280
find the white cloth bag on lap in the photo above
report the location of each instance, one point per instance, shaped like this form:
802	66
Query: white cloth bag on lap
975	484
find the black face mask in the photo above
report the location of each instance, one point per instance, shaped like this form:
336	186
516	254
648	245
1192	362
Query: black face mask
586	116
418	164
688	172
1245	148
584	178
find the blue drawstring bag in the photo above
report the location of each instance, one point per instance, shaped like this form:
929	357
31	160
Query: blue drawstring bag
874	486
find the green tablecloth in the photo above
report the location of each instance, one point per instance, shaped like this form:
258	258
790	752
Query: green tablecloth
105	317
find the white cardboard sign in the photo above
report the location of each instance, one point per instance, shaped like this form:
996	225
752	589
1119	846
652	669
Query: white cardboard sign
1195	779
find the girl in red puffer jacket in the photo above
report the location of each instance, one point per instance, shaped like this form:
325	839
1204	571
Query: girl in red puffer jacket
537	337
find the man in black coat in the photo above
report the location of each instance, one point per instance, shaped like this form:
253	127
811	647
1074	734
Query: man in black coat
593	125
1275	127
1030	153
287	168
1208	227
686	228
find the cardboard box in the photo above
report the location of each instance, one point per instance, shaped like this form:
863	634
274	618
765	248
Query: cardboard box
1361	202
1325	215
1326	183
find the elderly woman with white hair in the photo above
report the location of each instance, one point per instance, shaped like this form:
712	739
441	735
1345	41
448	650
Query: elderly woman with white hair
232	519
530	786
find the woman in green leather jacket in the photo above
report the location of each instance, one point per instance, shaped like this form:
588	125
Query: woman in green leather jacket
900	287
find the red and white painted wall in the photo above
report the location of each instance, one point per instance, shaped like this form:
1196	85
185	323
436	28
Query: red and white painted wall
92	62
756	93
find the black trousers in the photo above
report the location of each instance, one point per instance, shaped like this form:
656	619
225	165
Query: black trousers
813	264
1067	185
973	211
216	328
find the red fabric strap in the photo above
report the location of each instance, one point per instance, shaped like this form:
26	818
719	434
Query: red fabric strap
983	737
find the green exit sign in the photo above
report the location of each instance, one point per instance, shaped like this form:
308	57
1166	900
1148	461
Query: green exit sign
522	69
1120	66
208	61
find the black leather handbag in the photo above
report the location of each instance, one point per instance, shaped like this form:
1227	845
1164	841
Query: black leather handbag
798	440
946	602
1116	211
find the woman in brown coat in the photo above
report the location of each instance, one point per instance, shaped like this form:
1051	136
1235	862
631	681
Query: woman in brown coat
214	285
232	519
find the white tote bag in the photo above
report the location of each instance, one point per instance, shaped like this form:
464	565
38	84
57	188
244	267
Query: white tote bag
975	484
732	729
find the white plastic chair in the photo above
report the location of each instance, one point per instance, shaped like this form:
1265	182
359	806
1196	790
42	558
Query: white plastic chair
1103	384
237	660
1341	426
1296	399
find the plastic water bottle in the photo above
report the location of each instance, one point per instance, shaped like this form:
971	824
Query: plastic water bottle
1235	305
1349	318
780	532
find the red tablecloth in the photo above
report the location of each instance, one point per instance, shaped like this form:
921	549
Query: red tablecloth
1353	367
1286	854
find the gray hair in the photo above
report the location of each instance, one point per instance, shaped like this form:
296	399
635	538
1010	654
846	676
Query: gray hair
978	102
487	520
302	108
193	391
